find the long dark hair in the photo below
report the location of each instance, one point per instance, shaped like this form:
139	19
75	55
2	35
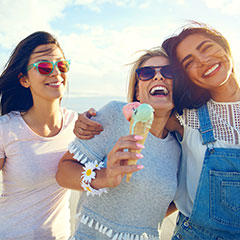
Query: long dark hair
186	94
15	97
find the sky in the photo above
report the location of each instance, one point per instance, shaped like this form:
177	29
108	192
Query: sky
101	37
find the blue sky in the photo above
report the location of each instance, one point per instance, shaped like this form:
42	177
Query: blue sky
101	36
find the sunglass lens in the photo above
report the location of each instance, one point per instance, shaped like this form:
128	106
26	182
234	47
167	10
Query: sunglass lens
45	68
146	73
166	71
63	66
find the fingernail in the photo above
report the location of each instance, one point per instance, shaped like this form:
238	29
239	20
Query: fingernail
140	167
139	155
139	145
138	137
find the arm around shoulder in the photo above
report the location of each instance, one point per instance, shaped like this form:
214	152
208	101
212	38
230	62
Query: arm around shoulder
173	124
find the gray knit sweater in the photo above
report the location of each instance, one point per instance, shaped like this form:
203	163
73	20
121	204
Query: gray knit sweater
133	210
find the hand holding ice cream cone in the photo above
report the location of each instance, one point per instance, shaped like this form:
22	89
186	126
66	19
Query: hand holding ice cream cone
140	117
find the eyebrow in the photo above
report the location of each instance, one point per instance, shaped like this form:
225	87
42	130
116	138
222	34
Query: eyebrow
197	48
202	43
188	56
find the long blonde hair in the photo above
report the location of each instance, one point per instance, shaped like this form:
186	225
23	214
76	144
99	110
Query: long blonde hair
133	81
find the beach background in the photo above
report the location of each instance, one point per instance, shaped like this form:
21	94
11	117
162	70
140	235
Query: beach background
101	37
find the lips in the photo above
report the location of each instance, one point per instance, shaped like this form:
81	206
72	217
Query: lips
211	71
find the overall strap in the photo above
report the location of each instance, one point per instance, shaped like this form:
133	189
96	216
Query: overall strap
206	128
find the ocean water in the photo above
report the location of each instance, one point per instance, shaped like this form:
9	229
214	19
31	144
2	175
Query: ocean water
82	104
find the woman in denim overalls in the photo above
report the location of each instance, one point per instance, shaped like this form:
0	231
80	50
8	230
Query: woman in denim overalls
208	196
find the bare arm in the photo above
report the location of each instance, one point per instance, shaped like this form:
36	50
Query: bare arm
85	128
174	125
70	171
2	160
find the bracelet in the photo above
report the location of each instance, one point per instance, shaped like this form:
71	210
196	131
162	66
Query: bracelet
88	174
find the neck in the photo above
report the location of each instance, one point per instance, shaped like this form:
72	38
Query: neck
45	119
158	126
228	92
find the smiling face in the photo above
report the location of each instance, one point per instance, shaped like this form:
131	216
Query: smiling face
45	87
156	91
206	62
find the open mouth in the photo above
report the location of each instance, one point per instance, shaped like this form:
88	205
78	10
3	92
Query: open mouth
159	91
211	70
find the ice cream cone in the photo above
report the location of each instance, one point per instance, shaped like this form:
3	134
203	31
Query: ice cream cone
140	117
142	129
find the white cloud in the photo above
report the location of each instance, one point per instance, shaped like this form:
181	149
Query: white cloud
180	2
99	56
231	7
96	5
24	17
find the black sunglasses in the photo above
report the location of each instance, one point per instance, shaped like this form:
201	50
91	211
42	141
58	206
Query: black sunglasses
147	73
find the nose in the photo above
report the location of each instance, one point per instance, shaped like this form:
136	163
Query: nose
158	75
55	71
202	59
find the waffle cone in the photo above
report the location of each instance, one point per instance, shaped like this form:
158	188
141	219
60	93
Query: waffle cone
142	129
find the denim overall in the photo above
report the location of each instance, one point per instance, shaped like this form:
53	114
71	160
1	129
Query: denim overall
216	209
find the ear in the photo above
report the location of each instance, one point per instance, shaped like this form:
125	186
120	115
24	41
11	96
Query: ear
23	80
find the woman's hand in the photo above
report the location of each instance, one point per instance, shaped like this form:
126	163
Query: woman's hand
117	162
173	124
85	128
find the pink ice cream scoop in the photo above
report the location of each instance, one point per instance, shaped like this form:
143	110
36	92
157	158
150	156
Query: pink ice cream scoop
129	108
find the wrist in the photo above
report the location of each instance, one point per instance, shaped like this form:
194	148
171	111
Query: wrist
100	179
89	175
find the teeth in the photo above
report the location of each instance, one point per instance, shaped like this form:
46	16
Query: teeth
159	88
54	84
211	69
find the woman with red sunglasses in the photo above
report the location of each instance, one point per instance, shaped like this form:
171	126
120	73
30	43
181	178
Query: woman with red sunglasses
34	134
135	209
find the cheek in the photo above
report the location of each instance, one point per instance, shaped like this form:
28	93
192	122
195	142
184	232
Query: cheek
229	63
64	76
192	73
142	88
